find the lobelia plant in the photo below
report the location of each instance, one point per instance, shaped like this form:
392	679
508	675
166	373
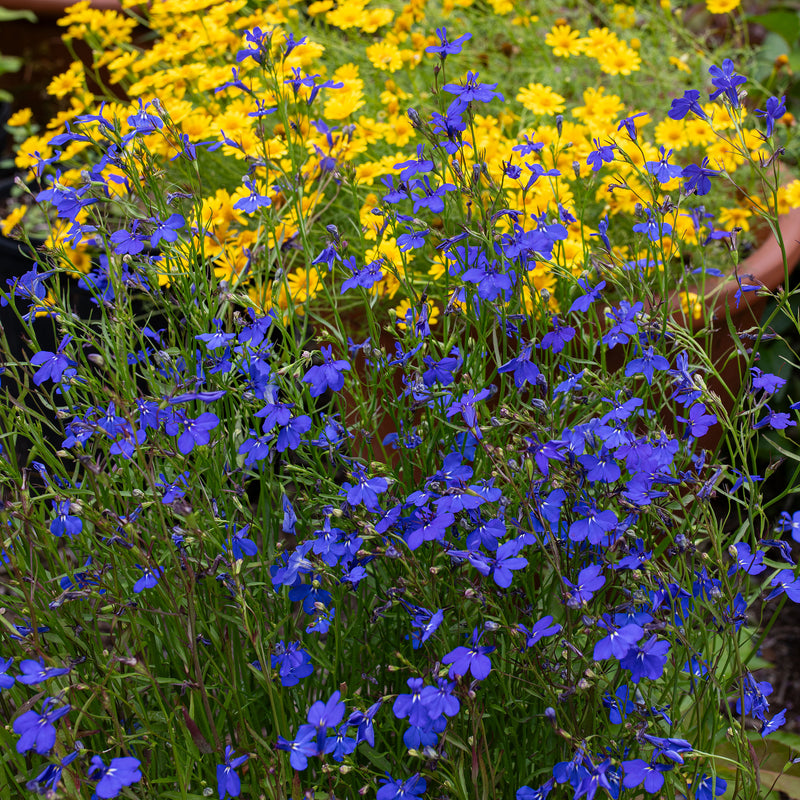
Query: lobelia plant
479	553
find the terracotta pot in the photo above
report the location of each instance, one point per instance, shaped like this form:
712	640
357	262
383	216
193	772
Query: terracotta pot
766	268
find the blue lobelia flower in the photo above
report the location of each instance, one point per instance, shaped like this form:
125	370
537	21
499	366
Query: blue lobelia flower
439	699
6	680
777	420
410	706
698	422
415	166
149	578
166	229
37	731
195	431
653	228
34	671
662	170
681	106
765	381
540	629
594	524
646	661
541	793
638	772
64	522
602	154
326	715
708	788
48	779
340	744
583	302
557	338
52	365
228	782
311	594
625	325
589	581
470	92
396	789
127	243
776	722
646	364
748	562
447	48
292	661
252	202
327	375
364	489
776	108
725	81
783	581
241	545
698	178
301	748
111	779
619	641
364	721
473	659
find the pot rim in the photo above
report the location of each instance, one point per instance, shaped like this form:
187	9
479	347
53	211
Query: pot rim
765	268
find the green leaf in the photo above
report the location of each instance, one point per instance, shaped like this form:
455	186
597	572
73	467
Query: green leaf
774	757
785	23
9	63
8	15
791	740
379	761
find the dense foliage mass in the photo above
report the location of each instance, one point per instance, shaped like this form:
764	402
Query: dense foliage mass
388	461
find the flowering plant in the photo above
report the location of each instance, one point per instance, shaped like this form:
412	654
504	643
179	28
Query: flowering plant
468	547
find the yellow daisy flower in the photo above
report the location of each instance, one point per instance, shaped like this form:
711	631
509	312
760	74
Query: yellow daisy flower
67	82
540	99
624	15
348	15
385	56
564	41
672	134
597	41
320	7
10	221
791	194
399	130
722	6
20	118
736	217
377	18
680	63
304	284
619	60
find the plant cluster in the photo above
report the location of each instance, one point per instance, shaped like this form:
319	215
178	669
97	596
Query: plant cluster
284	125
272	537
